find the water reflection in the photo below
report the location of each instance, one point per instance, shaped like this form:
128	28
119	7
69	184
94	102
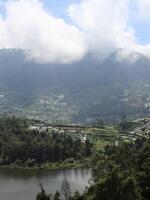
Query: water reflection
24	184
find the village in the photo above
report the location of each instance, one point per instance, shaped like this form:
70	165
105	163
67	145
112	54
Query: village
107	134
76	132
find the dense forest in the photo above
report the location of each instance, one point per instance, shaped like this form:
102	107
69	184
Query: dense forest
120	173
21	147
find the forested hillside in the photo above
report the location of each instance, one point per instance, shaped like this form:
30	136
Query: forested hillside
82	91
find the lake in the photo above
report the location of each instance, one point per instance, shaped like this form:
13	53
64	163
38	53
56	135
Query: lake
16	184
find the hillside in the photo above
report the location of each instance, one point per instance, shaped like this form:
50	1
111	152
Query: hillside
82	91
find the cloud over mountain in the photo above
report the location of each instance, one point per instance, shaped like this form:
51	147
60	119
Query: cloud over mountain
106	24
98	27
27	25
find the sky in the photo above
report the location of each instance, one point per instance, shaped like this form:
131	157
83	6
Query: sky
58	7
65	31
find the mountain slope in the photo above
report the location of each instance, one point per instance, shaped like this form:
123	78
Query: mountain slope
80	91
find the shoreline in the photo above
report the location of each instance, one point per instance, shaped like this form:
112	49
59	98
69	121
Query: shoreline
50	166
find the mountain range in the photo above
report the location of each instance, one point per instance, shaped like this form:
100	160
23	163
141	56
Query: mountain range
81	91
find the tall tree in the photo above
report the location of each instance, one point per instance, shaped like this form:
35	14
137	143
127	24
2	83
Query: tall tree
65	190
42	194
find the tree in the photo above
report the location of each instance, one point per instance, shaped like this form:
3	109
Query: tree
116	186
57	196
42	195
88	147
77	196
65	190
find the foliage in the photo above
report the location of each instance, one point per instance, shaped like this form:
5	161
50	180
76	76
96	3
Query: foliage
21	147
57	196
42	195
121	173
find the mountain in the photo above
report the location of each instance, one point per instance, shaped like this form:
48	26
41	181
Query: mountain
82	91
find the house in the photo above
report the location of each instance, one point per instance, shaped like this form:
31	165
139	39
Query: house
84	139
33	128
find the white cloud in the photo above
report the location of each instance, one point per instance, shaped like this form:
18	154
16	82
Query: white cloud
28	26
104	23
144	9
106	26
100	28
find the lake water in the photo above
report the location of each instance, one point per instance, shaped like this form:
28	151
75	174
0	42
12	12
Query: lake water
24	184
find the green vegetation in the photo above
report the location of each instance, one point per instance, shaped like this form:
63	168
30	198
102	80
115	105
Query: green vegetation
121	173
42	195
25	145
121	167
21	148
